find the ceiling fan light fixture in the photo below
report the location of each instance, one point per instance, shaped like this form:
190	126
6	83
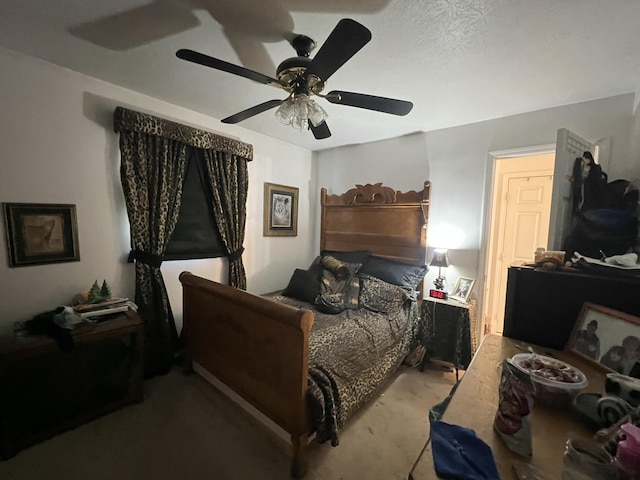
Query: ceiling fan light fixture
303	77
299	110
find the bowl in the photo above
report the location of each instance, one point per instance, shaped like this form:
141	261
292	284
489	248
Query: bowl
557	383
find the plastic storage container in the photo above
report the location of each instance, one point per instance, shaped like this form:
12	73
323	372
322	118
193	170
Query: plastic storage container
628	455
557	383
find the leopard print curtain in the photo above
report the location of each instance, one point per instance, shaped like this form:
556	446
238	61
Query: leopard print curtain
153	167
129	120
152	173
229	184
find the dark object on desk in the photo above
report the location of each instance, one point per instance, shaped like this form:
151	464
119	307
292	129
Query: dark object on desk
46	391
43	324
460	454
543	306
586	406
601	411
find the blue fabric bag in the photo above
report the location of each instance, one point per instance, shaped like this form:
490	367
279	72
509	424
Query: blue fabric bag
459	454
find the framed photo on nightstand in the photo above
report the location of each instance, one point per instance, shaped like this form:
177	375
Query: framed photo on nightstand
462	289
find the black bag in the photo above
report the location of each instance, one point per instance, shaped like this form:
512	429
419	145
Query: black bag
587	193
602	232
43	324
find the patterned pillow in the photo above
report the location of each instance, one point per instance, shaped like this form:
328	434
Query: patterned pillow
355	256
379	296
339	268
339	285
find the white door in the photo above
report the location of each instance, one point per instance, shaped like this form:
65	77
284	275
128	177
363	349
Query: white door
569	146
526	227
521	202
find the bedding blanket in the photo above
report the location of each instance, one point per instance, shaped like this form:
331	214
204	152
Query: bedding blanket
351	355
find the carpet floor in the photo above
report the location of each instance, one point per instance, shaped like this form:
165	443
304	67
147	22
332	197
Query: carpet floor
187	429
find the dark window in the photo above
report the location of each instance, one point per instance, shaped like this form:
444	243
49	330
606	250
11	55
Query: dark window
196	234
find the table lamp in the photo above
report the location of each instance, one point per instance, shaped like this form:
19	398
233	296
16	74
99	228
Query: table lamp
441	260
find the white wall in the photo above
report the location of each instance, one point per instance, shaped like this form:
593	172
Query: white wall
57	145
456	161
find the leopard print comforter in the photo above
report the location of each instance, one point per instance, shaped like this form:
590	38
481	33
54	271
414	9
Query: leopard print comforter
351	356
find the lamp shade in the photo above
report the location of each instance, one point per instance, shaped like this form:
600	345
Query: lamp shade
440	258
299	110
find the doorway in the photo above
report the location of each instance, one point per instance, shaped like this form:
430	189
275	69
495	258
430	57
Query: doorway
520	213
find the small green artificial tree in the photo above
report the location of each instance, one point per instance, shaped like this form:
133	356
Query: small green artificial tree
105	291
99	294
94	293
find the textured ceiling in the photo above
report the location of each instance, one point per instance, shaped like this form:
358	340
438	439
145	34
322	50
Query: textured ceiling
458	61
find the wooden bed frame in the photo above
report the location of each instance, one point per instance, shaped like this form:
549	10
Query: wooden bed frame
260	349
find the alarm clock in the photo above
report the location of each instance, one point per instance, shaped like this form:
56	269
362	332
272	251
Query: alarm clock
442	295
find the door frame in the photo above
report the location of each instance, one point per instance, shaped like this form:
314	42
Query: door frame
487	215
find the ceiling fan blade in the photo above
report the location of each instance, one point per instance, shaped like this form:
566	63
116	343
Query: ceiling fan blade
321	131
370	102
346	39
218	64
250	112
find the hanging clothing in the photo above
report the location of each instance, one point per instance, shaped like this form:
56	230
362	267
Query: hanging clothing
588	187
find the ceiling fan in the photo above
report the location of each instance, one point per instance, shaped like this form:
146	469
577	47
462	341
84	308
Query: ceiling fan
303	78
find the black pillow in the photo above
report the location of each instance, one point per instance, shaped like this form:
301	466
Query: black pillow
356	256
397	273
304	285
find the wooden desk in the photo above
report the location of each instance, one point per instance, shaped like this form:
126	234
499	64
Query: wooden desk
476	400
46	391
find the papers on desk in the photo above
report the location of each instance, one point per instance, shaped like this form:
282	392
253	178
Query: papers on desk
108	307
615	265
628	261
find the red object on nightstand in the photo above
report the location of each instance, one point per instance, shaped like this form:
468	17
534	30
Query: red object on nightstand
438	294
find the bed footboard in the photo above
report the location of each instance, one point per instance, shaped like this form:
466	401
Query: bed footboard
259	348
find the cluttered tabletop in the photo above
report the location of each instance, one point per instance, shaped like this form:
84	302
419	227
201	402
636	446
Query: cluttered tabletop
531	427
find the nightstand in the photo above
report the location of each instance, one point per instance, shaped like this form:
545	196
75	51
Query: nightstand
447	332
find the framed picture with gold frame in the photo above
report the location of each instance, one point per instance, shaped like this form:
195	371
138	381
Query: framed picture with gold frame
280	211
39	233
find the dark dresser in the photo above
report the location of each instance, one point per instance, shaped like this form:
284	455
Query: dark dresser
46	391
543	306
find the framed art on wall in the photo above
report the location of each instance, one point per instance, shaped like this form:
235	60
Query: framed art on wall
39	233
280	210
462	289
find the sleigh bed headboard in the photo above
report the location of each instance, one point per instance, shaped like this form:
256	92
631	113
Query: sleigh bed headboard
388	223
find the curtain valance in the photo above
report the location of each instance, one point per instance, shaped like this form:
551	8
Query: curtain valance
129	120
